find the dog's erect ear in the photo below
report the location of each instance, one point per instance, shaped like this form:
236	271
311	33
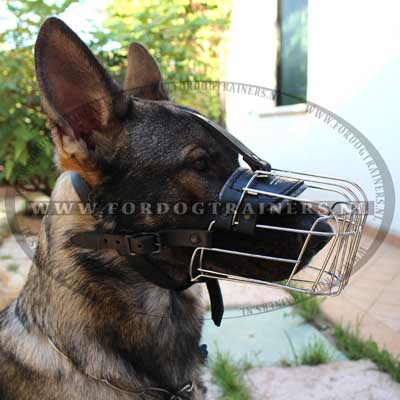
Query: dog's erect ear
83	103
143	78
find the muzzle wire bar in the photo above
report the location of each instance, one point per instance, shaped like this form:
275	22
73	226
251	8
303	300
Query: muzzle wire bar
329	272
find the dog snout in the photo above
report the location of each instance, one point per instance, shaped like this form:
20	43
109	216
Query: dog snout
322	234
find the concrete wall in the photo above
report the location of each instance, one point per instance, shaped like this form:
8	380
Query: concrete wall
353	66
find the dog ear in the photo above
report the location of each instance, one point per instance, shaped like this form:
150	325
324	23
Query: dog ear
143	78
83	103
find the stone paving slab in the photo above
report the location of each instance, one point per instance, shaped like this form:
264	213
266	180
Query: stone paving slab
239	295
264	339
14	268
340	380
371	301
355	380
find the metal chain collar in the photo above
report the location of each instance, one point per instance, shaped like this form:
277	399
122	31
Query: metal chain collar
187	388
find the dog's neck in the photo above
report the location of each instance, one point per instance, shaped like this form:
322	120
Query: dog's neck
107	325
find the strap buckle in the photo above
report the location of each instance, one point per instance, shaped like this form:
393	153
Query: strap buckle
144	243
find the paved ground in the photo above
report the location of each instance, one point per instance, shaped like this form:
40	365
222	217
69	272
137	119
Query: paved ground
371	301
14	267
264	339
341	380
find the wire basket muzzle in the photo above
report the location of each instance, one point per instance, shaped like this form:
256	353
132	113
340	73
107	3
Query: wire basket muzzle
260	203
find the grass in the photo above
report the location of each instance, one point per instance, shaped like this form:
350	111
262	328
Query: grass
4	233
307	306
5	257
12	267
314	353
355	348
228	374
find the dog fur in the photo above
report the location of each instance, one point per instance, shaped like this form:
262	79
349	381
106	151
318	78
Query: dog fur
86	314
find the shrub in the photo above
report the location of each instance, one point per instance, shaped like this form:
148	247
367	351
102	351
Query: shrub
184	36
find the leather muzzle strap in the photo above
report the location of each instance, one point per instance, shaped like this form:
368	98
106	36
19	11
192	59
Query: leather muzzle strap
138	246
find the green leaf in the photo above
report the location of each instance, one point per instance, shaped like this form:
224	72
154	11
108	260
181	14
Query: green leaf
8	168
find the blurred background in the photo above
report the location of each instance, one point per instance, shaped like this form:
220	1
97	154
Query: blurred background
332	69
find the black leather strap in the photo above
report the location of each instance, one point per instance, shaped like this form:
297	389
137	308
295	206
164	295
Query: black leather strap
153	274
81	187
186	238
231	141
216	300
143	243
232	193
136	247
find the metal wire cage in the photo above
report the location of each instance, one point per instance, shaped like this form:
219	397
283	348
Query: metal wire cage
327	273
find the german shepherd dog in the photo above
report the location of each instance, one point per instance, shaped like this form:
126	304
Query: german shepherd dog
86	325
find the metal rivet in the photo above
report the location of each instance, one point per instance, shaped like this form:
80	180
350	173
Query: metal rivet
194	238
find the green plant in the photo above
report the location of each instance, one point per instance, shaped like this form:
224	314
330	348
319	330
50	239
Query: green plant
12	267
26	150
355	348
228	374
4	232
305	305
5	257
185	36
314	353
284	362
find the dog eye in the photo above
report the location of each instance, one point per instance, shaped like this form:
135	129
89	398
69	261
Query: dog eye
201	164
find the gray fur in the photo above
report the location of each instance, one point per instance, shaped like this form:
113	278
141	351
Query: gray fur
93	305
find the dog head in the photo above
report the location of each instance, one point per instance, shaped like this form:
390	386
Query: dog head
133	144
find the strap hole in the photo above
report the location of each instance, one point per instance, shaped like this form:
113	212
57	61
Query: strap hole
105	240
118	242
139	245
